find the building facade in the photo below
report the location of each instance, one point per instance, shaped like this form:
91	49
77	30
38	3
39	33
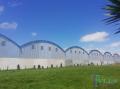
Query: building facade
46	54
76	55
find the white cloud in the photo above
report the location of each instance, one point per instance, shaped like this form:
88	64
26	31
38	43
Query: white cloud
1	8
95	37
7	25
34	34
115	44
14	3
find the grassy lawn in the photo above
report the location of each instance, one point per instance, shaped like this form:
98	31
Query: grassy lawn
58	78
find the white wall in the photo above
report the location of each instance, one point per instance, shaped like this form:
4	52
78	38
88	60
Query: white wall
28	52
11	55
108	58
96	57
116	58
76	56
11	63
10	50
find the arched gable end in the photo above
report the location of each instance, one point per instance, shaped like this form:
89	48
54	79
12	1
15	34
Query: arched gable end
76	47
42	41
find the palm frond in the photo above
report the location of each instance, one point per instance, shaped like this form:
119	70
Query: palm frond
114	11
115	2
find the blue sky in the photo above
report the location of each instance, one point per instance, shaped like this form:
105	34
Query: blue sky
65	22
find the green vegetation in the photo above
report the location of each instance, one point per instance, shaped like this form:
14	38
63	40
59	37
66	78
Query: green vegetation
59	78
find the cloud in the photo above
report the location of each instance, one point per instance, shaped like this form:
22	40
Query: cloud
1	8
115	44
34	34
7	25
95	37
14	3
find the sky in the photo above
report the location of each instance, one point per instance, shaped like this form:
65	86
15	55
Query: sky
64	22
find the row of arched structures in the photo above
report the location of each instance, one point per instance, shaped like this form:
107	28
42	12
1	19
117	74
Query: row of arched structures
46	53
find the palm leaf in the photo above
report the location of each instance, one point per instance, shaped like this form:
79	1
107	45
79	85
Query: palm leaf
115	2
114	11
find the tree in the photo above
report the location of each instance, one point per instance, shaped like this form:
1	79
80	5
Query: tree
113	10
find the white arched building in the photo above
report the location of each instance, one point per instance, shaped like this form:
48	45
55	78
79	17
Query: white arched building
108	58
9	53
96	57
8	48
42	52
76	55
47	54
116	58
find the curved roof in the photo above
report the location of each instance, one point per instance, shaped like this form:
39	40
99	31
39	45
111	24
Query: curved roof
96	51
116	54
1	35
108	53
75	47
41	41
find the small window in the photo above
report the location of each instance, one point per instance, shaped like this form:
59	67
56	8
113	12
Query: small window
49	48
56	49
33	46
79	52
70	51
3	43
41	47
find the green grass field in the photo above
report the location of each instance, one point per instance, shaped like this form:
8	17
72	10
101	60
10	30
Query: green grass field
58	78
